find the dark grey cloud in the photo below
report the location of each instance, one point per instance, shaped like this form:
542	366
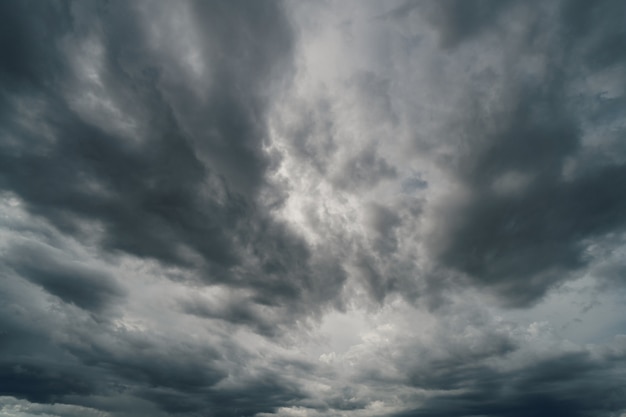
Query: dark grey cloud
384	222
480	367
22	49
458	20
239	311
524	224
34	367
44	382
52	354
106	136
455	21
574	384
187	206
185	189
74	282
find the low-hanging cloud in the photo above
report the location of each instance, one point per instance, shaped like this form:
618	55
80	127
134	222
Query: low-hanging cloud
312	209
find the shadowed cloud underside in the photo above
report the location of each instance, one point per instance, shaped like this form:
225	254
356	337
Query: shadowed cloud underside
283	208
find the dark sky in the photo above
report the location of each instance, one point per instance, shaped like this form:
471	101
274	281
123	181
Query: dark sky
307	209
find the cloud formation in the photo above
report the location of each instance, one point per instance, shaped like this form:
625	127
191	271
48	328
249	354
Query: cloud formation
312	209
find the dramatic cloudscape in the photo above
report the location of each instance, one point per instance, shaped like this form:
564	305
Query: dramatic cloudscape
324	208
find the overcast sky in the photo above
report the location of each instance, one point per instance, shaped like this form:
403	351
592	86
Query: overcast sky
313	208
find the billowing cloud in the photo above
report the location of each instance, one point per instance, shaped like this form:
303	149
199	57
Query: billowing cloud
312	209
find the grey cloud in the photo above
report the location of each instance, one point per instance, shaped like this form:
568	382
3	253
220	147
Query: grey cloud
72	281
161	169
12	406
139	205
384	222
520	228
231	124
455	20
96	364
22	49
239	311
460	360
370	273
597	27
186	190
42	382
365	169
566	385
475	366
414	183
142	133
33	366
373	92
312	134
263	392
523	225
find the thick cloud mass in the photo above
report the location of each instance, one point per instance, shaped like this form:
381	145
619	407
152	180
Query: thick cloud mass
356	208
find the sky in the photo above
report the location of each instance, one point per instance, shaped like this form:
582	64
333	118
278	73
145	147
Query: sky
322	208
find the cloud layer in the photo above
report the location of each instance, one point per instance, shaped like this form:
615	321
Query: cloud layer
312	209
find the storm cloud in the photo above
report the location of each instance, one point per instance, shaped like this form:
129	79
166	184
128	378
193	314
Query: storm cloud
281	208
